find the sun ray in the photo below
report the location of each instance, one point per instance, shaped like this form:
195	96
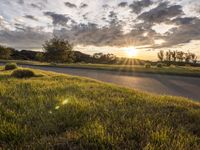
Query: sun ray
131	52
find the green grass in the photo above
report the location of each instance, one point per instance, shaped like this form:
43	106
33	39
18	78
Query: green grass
55	111
173	70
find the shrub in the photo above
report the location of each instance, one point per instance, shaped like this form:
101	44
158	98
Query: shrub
159	65
10	66
23	73
147	65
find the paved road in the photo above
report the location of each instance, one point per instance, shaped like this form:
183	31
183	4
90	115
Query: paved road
160	84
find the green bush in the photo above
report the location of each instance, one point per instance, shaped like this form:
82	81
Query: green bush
10	66
147	65
23	73
160	65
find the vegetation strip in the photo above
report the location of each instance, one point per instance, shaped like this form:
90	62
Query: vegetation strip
172	70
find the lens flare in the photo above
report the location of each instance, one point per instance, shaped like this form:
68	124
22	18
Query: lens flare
131	51
65	102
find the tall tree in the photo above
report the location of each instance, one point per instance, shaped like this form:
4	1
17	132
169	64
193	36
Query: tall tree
161	55
4	52
173	54
180	56
187	57
58	50
168	55
194	58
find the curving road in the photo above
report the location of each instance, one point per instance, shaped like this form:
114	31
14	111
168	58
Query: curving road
160	84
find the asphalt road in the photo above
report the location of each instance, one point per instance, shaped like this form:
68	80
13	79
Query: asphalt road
160	84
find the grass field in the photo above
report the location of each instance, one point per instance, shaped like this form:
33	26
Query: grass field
172	70
55	111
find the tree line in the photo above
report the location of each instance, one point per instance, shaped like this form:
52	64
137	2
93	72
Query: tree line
177	56
58	50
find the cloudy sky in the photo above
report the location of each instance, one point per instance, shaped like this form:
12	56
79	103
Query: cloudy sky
109	26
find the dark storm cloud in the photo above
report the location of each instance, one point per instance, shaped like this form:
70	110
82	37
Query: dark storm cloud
187	31
138	6
113	18
58	19
70	5
20	27
25	38
83	5
184	20
112	14
122	4
21	2
105	6
31	17
161	13
91	34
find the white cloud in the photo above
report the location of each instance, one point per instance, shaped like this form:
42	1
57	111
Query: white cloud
163	28
123	27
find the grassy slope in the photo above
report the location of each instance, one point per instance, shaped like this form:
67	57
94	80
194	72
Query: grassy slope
58	111
185	71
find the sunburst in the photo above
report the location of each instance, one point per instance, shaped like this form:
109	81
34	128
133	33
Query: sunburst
131	51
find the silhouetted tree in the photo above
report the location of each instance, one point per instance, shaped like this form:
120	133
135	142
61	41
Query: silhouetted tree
97	55
105	58
58	50
4	52
168	55
187	57
190	57
161	55
194	58
180	56
173	54
111	58
39	56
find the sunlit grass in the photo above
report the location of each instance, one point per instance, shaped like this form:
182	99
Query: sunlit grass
56	111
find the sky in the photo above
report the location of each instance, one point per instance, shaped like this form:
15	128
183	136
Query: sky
126	28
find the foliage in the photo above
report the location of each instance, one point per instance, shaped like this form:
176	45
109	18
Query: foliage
66	112
159	65
10	66
180	56
39	57
4	52
161	55
105	58
58	50
147	65
23	73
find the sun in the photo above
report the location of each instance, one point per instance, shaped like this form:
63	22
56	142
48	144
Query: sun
131	51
